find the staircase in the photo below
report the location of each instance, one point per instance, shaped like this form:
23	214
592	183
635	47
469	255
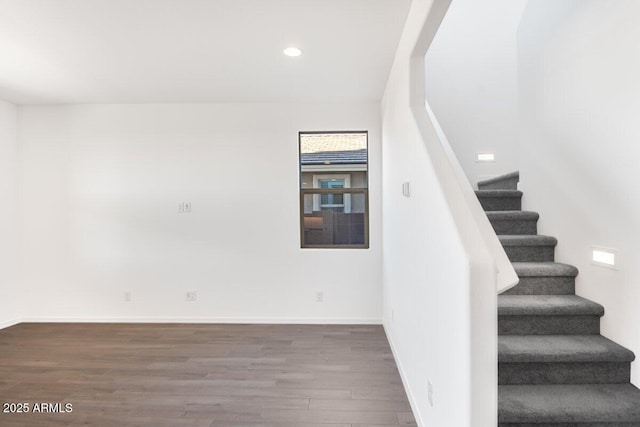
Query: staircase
554	367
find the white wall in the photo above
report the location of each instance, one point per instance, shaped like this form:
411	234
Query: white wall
101	189
472	87
439	280
579	68
9	217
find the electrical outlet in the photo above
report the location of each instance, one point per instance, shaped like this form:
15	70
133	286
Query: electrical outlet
319	296
180	207
191	296
127	296
430	393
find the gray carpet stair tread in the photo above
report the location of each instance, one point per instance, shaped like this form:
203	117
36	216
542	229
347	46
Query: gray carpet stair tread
500	178
512	215
560	348
549	305
589	403
527	240
541	269
498	193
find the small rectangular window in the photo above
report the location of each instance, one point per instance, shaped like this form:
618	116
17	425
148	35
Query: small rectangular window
334	189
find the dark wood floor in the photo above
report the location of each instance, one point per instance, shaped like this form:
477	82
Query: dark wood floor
202	375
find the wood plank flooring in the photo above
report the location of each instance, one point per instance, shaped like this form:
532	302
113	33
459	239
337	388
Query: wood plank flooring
202	375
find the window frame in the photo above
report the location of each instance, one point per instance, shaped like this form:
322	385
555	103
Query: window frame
346	191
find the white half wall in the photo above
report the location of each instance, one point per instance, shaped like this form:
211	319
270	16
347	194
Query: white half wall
579	65
101	187
472	86
10	286
439	278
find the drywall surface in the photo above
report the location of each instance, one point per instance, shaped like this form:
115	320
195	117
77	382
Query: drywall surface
102	186
472	87
9	217
439	281
579	65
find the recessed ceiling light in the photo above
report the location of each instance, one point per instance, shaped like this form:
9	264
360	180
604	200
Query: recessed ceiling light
292	51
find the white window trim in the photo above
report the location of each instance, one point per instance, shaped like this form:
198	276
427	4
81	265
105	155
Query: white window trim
347	184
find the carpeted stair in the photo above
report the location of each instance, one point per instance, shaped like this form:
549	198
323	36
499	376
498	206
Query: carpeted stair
554	367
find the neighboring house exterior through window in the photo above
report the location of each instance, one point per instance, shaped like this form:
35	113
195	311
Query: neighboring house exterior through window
334	189
332	202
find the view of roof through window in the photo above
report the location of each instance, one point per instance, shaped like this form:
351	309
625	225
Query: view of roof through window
333	148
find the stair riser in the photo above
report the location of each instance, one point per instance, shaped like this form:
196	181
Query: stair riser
500	203
528	227
530	253
564	373
554	285
505	184
549	325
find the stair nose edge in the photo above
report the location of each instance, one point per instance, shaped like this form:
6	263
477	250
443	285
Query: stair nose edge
510	351
527	240
575	306
513	215
545	269
498	193
504	177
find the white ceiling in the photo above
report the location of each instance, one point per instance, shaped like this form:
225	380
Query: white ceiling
146	51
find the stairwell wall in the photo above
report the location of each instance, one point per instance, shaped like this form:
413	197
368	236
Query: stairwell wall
472	87
101	187
10	286
579	62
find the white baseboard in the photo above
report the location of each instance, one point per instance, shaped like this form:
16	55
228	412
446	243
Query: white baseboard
240	320
412	401
8	323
